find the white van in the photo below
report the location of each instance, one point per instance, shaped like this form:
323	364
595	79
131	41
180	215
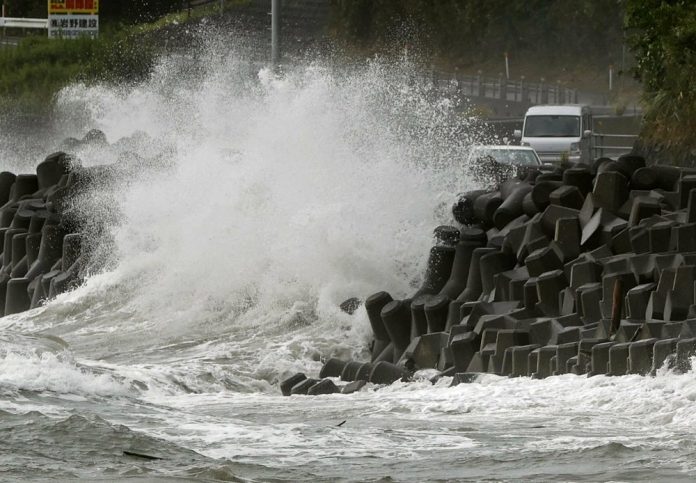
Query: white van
558	132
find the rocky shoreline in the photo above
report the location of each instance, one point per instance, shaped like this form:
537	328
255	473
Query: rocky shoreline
587	270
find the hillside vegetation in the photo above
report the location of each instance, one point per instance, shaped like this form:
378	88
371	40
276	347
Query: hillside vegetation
474	31
572	40
662	36
34	71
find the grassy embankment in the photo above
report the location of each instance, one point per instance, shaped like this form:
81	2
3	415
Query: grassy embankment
32	73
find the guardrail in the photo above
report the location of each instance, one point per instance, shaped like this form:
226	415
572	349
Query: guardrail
24	23
505	89
608	144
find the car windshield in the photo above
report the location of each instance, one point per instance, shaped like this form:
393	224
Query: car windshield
552	126
515	157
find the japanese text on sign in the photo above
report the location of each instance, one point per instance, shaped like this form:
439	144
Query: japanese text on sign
73	6
73	26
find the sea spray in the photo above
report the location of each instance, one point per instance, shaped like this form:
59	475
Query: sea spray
250	206
281	197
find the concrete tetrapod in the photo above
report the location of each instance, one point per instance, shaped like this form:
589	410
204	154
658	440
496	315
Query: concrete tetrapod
511	208
325	386
396	316
7	179
287	385
50	250
352	387
386	373
664	353
419	323
332	368
373	306
436	313
17	299
350	371
438	271
604	289
463	208
19	256
7	247
470	239
640	356
303	386
66	280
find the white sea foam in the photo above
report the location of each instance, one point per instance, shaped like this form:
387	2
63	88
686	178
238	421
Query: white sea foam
272	199
495	428
282	196
53	372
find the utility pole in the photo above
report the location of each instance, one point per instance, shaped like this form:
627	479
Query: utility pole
275	32
4	32
611	77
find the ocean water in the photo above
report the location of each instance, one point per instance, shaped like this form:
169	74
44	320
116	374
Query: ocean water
253	204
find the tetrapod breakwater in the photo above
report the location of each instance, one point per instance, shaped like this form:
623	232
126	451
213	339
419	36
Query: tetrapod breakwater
587	270
41	246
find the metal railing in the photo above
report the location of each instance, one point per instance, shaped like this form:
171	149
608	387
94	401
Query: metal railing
24	23
501	88
611	145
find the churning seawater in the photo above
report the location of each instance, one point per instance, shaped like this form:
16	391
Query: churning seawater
255	204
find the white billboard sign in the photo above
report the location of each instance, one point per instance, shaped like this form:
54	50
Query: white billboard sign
73	26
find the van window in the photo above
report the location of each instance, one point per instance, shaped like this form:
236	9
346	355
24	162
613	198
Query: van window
552	126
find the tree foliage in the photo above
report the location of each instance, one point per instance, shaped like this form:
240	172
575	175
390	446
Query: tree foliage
662	35
478	29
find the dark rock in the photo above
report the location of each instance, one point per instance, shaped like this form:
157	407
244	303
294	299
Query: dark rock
350	305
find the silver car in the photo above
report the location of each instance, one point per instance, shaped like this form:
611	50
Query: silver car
491	165
508	155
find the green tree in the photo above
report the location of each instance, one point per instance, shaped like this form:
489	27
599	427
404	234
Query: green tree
662	36
478	29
